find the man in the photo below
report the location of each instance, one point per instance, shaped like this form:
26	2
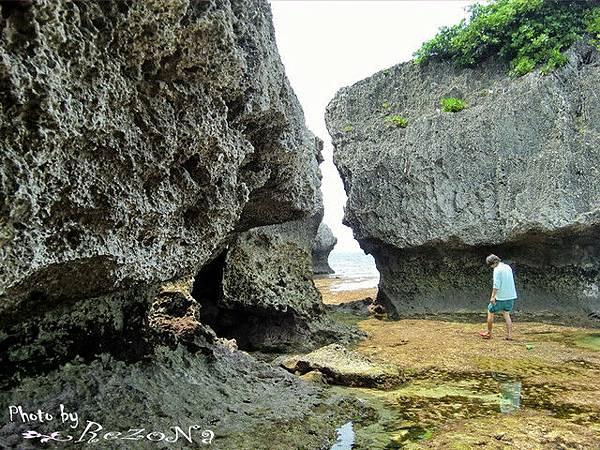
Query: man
503	296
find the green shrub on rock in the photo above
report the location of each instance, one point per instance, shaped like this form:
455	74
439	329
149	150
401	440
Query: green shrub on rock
557	59
397	120
592	20
452	104
522	66
527	33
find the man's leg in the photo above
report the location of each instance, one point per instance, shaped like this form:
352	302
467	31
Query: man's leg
490	322
509	325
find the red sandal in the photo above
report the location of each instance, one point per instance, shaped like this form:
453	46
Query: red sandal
485	335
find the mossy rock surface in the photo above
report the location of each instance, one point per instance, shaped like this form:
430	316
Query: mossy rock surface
344	367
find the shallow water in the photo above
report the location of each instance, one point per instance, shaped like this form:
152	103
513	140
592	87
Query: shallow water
539	391
345	437
352	284
411	414
510	397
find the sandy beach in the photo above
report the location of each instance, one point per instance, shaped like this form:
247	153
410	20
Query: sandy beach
334	289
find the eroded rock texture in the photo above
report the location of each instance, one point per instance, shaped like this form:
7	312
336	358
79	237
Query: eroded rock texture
323	245
143	143
260	291
342	366
136	136
515	173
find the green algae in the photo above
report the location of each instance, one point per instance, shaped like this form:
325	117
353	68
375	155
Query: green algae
575	338
589	341
346	318
413	413
546	395
528	367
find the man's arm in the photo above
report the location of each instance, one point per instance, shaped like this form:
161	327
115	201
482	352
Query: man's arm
493	296
495	286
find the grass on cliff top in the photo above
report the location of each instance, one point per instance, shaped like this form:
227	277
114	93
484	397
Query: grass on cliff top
528	33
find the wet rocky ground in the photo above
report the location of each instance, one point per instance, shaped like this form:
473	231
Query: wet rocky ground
538	391
454	390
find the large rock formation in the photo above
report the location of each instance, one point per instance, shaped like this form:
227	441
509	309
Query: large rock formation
136	137
260	291
142	142
515	173
324	243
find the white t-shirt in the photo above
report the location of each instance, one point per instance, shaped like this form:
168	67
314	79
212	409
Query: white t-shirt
504	282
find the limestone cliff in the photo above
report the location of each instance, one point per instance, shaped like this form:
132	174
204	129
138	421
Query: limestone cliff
145	145
136	137
515	173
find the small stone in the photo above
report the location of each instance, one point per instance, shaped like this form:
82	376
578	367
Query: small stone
316	376
344	367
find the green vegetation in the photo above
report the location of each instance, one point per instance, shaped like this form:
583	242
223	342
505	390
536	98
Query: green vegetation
348	128
591	341
397	120
592	20
452	104
528	33
426	435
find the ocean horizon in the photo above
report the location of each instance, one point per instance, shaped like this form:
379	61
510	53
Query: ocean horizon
357	269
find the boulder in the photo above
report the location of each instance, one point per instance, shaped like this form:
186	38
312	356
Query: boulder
342	366
314	376
361	308
260	291
324	243
515	174
136	138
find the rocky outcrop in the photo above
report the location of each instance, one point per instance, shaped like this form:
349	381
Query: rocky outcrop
128	157
339	365
146	146
261	292
227	391
323	245
514	174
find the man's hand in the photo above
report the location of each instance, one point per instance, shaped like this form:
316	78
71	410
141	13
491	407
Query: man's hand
493	296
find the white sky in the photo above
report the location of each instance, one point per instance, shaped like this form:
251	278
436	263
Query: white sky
326	45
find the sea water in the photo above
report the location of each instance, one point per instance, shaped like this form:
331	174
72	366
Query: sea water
345	437
356	270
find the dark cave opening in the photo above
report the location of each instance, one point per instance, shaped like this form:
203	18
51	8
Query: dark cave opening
252	328
208	291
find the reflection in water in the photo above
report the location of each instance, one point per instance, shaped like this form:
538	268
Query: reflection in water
345	437
417	411
511	397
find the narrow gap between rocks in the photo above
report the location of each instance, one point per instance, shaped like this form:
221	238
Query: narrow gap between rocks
253	329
